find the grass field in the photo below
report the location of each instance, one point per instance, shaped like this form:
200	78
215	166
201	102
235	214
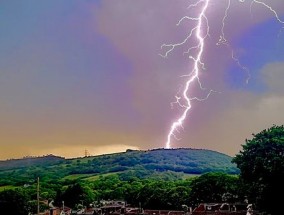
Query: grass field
7	187
77	176
95	177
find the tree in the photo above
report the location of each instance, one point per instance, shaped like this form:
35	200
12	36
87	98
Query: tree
213	187
76	194
261	163
132	189
155	194
14	202
178	196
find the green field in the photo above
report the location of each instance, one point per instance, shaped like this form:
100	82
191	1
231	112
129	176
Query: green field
95	177
7	187
76	176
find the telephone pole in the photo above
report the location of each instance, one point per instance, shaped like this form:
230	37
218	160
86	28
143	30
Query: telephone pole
37	195
87	154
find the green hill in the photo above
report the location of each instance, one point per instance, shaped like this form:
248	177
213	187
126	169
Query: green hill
163	163
30	161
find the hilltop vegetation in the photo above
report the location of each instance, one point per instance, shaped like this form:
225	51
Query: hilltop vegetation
29	161
160	163
155	179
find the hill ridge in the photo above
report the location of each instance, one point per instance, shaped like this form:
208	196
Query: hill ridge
165	163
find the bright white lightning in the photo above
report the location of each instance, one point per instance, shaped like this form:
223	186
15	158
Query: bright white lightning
201	23
223	41
194	75
270	8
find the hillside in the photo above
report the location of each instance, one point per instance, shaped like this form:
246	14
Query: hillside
30	161
165	163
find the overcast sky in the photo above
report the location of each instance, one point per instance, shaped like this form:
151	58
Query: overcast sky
87	75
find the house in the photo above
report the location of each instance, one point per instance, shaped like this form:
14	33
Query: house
162	212
221	209
60	211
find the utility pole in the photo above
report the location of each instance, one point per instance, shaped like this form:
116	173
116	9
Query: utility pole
37	195
63	207
87	154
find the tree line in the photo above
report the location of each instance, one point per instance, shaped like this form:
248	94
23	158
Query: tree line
260	182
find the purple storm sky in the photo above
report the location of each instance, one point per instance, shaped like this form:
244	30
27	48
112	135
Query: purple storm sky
87	74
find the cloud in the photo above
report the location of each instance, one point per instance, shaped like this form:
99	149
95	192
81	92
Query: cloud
226	119
245	113
273	76
92	77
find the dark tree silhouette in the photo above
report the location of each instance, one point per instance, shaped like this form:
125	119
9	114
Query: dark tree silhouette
262	168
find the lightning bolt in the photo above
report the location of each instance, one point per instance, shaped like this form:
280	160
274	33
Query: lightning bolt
194	75
197	32
270	8
223	41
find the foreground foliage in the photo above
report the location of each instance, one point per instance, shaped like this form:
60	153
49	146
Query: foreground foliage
262	168
148	193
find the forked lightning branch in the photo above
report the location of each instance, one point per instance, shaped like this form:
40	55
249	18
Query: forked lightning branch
198	32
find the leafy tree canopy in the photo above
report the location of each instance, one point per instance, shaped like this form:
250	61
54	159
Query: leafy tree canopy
261	163
75	194
215	187
14	202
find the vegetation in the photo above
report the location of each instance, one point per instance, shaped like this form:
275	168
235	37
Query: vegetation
159	163
75	194
30	161
148	193
262	168
156	179
216	187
